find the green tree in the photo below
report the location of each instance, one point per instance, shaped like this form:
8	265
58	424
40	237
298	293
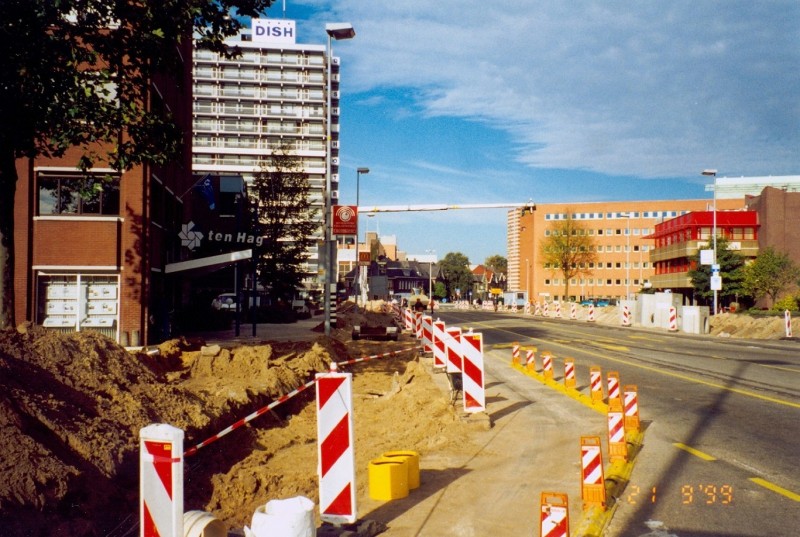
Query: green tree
439	290
497	263
568	249
770	274
731	269
454	270
78	74
285	220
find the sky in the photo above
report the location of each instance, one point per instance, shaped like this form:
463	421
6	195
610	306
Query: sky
465	102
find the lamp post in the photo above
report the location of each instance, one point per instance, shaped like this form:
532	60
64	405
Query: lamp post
337	30
359	171
713	173
430	274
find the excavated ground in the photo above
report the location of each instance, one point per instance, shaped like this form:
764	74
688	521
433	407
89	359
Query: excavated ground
72	405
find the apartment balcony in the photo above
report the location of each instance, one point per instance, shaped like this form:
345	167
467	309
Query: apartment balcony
747	248
673	280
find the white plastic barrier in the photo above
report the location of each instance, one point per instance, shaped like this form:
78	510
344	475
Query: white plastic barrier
161	481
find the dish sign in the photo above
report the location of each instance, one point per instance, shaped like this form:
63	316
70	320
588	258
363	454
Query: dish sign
345	219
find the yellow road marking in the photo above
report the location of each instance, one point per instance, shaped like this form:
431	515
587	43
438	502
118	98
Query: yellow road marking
790	369
620	348
775	488
645	338
695	452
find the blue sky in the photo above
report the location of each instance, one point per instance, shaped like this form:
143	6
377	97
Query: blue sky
464	102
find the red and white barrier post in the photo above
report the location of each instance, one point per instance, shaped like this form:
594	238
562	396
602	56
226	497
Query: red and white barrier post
593	487
418	324
569	373
473	372
453	343
614	395
408	319
515	353
537	310
631	401
558	309
626	315
617	446
554	515
596	383
673	319
590	317
573	310
546	309
161	481
787	317
439	350
427	333
547	365
336	457
530	359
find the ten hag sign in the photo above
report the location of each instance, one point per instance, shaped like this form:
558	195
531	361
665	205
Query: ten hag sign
345	219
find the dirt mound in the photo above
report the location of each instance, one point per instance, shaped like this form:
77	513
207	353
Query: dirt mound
72	406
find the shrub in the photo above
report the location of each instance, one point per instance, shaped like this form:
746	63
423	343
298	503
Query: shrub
786	303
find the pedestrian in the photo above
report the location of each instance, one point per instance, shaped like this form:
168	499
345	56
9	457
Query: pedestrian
419	306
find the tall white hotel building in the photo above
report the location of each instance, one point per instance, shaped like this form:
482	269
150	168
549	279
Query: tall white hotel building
244	108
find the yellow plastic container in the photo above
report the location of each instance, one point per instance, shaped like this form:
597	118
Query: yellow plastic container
388	478
412	460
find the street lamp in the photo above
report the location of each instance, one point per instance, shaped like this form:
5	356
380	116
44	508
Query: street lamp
713	173
359	171
430	275
337	30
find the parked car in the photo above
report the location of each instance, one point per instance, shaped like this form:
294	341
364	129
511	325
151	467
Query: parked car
587	302
602	302
224	302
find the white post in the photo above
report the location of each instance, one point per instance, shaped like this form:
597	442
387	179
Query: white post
160	481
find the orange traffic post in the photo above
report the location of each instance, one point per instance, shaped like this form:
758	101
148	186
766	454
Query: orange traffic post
631	407
593	484
614	395
515	353
547	365
554	515
617	445
596	383
530	359
569	373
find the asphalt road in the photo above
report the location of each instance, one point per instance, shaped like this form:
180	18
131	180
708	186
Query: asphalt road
721	418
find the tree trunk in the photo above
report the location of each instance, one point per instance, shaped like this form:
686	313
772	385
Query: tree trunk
8	187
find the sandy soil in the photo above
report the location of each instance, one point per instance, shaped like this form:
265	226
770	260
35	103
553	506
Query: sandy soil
71	407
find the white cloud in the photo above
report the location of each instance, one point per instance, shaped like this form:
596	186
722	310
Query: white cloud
650	89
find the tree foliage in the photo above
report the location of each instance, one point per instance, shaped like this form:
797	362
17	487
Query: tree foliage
770	274
77	73
731	269
454	271
568	249
497	263
285	220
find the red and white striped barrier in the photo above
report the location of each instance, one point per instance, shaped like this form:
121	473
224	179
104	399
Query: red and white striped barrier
617	448
547	365
530	360
515	353
408	319
590	317
573	310
473	372
626	315
554	515
631	402
614	397
673	319
546	309
787	317
161	481
251	417
527	308
596	383
427	333
593	487
537	309
354	361
558	310
439	350
335	454
453	344
418	325
569	373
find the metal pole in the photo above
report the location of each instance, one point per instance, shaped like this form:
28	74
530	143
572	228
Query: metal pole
628	262
714	231
326	280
